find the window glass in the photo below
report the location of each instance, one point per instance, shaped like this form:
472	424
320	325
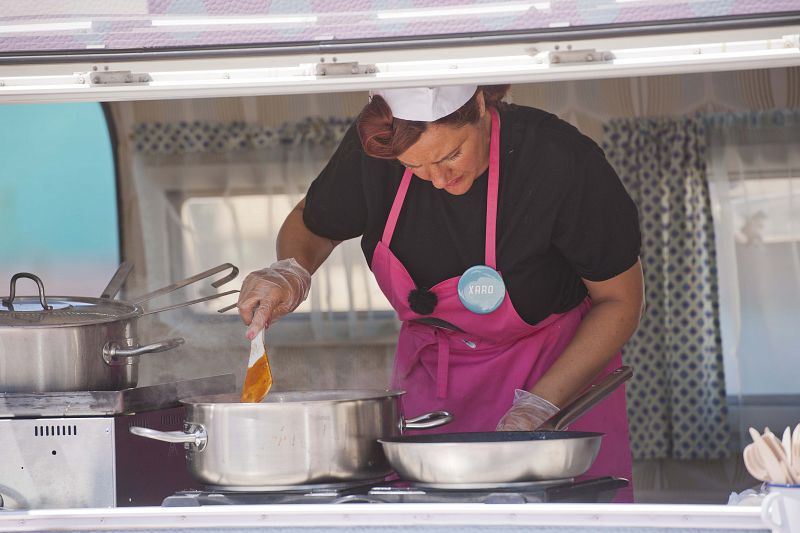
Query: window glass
755	193
754	199
139	24
246	227
58	207
759	324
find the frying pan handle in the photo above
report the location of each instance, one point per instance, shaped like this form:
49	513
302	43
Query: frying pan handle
430	420
588	399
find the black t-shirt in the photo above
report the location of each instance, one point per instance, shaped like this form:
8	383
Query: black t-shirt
562	214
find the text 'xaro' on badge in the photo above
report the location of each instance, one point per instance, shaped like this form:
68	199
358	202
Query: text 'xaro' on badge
481	289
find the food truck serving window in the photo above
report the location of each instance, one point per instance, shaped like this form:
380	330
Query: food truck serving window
58	206
126	25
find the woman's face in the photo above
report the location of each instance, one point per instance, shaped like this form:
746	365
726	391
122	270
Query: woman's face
451	158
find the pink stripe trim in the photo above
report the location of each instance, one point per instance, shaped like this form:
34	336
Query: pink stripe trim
397	205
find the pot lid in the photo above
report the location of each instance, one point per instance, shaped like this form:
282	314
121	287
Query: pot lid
54	311
65	311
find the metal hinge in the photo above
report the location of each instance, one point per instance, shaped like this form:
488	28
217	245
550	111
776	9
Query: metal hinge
351	68
569	57
119	77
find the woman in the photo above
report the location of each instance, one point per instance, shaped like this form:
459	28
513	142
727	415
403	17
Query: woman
502	221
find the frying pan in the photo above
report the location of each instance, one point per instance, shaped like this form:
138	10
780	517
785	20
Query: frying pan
486	458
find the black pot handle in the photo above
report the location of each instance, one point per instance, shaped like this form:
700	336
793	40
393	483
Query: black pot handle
9	302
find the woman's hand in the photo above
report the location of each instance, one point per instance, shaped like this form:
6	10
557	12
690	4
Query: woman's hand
527	413
272	292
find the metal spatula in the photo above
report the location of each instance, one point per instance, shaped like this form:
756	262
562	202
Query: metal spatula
258	379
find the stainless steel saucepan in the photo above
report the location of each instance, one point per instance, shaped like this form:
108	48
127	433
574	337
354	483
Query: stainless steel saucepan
68	343
291	438
472	459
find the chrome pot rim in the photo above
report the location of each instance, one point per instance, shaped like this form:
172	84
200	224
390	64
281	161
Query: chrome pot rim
277	398
92	311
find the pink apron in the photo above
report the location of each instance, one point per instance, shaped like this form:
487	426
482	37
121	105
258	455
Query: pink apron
473	374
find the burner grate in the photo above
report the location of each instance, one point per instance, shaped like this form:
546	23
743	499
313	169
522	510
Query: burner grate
587	491
310	489
522	486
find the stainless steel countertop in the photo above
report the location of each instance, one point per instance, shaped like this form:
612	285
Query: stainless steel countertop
398	518
105	403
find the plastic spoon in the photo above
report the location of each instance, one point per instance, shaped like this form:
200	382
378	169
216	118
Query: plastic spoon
777	450
752	461
796	445
786	442
774	470
791	464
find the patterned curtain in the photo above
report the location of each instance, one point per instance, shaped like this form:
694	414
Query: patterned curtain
198	136
676	404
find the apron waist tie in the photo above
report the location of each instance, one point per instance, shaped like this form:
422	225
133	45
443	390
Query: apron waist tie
442	363
441	340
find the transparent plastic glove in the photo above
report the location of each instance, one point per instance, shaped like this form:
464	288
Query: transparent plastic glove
272	292
527	413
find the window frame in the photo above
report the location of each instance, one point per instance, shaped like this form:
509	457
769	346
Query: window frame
736	43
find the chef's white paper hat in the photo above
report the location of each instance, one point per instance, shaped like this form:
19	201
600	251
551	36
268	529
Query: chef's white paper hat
426	104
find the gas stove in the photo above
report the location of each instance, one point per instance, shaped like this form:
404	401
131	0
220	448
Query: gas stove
74	449
592	490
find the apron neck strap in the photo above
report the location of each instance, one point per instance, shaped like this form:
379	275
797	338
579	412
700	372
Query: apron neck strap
493	191
491	196
397	205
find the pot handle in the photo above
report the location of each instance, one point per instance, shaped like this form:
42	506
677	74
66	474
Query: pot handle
430	420
113	352
193	434
9	302
234	271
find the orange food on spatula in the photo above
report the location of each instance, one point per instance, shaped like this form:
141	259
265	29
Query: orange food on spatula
258	379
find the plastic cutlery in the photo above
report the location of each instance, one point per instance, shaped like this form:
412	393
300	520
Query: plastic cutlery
752	461
775	473
786	442
796	446
777	449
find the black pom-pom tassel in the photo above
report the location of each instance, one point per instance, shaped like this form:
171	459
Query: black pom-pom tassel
422	301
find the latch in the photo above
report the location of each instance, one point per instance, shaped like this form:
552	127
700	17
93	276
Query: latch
348	68
119	77
589	55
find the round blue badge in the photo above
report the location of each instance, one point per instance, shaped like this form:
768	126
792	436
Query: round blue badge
481	289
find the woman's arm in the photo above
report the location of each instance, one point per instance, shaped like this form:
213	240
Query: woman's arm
617	306
297	241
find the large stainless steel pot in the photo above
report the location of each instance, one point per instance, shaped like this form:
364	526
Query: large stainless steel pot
291	438
66	343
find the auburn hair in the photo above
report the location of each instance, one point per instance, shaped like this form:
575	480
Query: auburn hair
386	137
